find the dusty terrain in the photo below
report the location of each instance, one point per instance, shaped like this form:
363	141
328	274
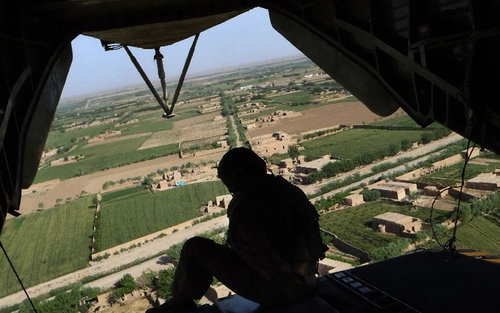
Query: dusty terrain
353	112
116	139
195	120
192	131
92	183
136	304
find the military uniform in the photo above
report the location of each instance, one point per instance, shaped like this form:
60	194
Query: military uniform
272	248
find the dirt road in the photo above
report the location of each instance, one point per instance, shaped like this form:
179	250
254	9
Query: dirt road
109	281
238	139
92	183
410	154
121	259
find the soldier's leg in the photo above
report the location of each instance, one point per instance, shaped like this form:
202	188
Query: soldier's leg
202	258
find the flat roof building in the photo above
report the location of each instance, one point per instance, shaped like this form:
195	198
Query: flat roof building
315	165
354	200
485	181
391	192
408	187
396	223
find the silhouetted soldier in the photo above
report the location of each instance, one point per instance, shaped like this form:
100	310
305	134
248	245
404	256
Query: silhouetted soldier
273	243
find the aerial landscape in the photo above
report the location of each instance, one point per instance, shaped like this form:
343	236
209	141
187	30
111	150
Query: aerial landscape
121	188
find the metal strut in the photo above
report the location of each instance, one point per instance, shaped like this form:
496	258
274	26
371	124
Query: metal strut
146	80
161	74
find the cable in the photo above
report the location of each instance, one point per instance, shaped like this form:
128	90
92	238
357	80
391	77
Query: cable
430	217
450	243
17	276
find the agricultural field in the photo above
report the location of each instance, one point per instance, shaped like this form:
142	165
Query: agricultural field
354	224
451	175
402	120
57	138
46	244
125	217
294	99
479	234
127	125
125	148
199	131
354	142
105	156
153	122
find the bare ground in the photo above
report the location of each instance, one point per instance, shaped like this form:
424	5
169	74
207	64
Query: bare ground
353	112
195	120
116	138
92	183
191	131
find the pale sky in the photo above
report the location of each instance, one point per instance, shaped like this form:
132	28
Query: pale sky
248	38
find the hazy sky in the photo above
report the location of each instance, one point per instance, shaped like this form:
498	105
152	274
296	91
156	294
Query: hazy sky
245	39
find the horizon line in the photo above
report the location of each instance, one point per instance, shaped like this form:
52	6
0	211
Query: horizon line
195	75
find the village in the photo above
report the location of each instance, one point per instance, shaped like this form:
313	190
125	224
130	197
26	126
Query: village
140	185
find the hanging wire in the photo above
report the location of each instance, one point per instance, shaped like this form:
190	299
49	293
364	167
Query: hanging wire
450	243
18	278
430	217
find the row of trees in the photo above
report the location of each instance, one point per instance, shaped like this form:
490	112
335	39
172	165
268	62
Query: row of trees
64	302
334	168
74	300
490	207
228	109
436	134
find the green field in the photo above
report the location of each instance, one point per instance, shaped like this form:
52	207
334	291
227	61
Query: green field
451	175
479	234
46	244
154	125
105	156
125	193
402	120
125	218
113	154
353	142
354	224
294	98
57	138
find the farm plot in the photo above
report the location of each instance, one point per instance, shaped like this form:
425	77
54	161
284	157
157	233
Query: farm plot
105	156
201	130
154	123
201	118
317	117
402	120
128	218
46	244
57	138
354	224
294	99
354	142
451	175
480	234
